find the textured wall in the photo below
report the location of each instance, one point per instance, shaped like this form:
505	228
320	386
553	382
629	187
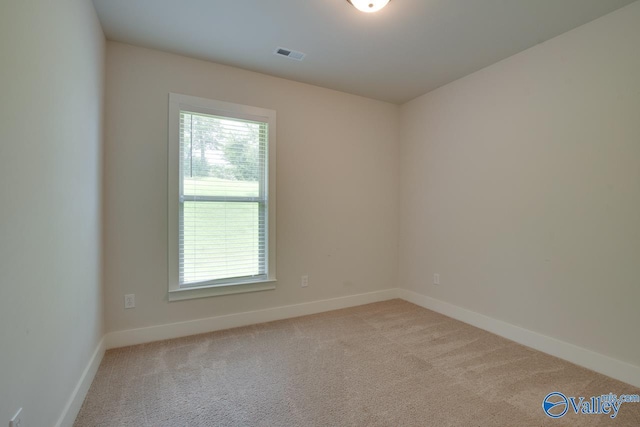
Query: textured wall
337	181
51	77
520	187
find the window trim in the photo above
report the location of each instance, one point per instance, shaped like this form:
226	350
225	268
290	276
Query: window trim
178	102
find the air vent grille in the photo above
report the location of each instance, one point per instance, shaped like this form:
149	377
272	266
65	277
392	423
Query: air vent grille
289	53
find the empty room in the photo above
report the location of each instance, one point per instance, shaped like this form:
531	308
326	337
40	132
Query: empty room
319	213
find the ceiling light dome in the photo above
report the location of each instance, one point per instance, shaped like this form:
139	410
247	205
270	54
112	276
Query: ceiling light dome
369	6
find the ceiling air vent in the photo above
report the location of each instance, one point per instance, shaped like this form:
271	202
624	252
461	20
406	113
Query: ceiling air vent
288	53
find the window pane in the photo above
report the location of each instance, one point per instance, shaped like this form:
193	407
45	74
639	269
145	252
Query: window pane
221	240
221	157
221	196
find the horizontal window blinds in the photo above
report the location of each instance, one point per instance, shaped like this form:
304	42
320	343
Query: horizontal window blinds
223	201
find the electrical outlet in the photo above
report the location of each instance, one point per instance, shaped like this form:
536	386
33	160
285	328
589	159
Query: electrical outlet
130	301
304	282
16	421
436	279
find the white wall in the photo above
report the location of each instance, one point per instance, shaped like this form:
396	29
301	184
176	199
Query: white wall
337	181
520	186
51	86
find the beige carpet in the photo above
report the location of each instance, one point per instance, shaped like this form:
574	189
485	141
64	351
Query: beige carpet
385	364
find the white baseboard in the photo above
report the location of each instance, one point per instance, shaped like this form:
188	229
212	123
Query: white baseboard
606	365
74	403
181	329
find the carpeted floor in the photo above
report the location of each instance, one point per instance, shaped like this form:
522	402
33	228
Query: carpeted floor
384	364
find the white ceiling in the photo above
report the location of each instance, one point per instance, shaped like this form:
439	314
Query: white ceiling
409	48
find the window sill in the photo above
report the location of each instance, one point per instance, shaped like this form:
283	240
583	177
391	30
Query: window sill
219	290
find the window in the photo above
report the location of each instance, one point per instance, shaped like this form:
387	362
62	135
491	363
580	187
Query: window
221	198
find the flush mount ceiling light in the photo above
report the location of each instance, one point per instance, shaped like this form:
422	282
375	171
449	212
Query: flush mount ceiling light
369	6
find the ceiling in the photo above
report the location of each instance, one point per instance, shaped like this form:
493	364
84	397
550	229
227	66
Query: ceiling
409	48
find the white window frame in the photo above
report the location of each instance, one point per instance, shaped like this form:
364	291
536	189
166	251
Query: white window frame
177	103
